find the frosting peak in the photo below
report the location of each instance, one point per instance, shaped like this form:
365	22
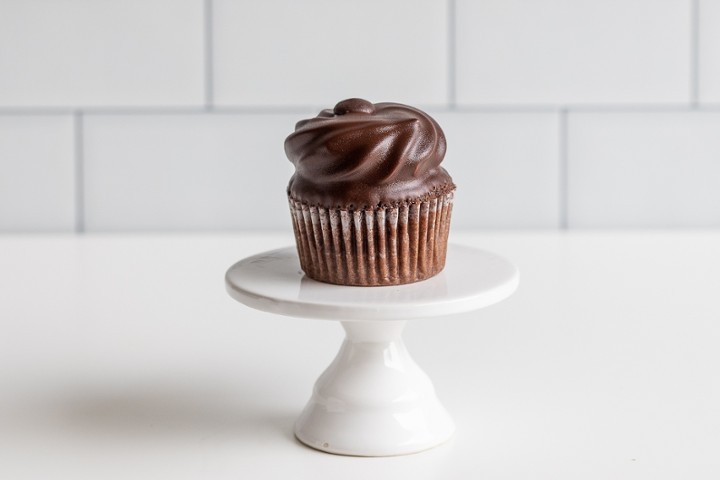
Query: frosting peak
361	155
353	105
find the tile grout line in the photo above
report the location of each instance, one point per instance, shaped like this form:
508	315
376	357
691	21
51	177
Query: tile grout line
208	53
294	109
452	54
695	53
290	109
563	169
78	123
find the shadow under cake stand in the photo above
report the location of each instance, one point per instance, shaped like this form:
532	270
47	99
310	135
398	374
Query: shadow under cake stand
373	399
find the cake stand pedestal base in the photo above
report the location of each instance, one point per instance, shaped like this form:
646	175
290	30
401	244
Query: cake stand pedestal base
373	399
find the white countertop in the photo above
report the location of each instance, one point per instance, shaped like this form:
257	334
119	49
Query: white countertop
121	356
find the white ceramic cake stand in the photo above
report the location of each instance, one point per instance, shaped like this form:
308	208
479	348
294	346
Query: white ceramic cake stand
373	399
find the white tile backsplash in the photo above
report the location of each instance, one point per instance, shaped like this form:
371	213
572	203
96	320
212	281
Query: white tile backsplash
506	168
573	51
186	172
286	52
644	170
573	113
88	53
37	173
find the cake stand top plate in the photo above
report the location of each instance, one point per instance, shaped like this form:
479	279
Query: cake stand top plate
273	282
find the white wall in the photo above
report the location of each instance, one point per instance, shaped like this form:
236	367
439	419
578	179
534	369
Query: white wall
171	114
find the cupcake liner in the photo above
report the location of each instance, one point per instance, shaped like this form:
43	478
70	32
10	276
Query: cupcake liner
386	246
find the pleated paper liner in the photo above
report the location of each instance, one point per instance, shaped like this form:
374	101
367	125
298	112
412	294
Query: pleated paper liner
385	246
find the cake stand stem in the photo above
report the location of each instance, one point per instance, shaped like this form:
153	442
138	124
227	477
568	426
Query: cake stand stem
373	399
375	332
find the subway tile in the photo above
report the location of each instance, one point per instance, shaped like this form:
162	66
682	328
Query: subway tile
573	51
187	172
709	51
195	172
37	173
318	52
85	53
506	168
644	170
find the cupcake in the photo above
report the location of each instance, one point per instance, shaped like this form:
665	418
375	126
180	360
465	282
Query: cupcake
370	203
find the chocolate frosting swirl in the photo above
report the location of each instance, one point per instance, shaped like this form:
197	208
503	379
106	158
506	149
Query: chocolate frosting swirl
362	155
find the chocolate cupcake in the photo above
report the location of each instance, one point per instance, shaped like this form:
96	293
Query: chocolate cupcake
369	200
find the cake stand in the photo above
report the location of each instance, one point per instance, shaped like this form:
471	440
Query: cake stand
373	399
